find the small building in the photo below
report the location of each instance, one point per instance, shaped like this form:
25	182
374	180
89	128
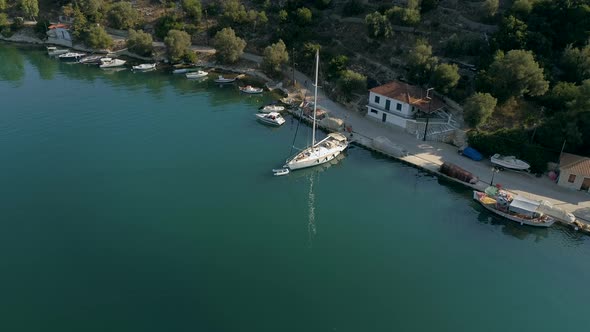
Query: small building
59	34
398	103
574	172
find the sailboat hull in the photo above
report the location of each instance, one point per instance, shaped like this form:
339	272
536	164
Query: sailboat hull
313	162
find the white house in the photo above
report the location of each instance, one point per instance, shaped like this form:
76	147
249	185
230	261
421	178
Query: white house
398	103
574	172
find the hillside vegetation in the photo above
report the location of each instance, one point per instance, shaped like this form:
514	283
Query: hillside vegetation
521	67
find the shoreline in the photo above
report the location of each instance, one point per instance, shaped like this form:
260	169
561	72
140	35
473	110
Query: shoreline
361	137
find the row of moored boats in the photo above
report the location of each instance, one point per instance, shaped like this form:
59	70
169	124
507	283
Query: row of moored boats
94	59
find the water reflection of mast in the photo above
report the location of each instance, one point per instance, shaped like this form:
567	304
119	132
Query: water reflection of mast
311	205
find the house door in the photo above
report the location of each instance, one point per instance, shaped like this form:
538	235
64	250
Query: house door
384	117
585	184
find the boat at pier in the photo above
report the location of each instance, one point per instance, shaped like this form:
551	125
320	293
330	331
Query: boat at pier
272	108
250	89
318	152
516	208
196	74
145	67
71	56
54	51
272	118
223	80
111	63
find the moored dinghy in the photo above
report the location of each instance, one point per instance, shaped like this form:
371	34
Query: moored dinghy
280	171
111	63
196	74
222	80
145	66
272	108
272	118
250	89
54	51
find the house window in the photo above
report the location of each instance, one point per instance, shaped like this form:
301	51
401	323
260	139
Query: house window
572	178
398	107
377	99
387	104
374	111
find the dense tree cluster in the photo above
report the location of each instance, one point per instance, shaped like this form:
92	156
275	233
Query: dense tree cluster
140	42
275	57
178	46
229	47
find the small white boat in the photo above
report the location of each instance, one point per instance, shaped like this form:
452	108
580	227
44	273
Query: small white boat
91	59
111	63
280	171
196	74
272	108
272	118
145	66
181	71
221	79
509	162
250	89
54	51
71	56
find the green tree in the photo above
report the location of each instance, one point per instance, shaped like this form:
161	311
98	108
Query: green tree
403	16
192	8
378	25
229	47
275	57
337	65
30	8
350	82
283	16
428	5
445	77
575	63
80	23
167	23
96	37
2	4
516	74
512	34
478	108
4	20
303	16
122	15
178	46
489	8
140	42
94	10
561	95
581	103
421	62
522	8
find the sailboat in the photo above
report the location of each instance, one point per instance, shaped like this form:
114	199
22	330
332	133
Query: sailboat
318	152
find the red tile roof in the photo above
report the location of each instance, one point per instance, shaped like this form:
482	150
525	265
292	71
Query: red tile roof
411	94
575	164
59	25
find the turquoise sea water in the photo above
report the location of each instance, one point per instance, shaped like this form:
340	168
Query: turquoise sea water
145	202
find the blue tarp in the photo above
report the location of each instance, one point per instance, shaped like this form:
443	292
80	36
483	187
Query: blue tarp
471	153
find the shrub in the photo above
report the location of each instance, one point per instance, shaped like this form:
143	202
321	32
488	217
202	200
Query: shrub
140	42
350	82
167	23
97	37
478	108
192	8
275	56
229	47
178	45
122	15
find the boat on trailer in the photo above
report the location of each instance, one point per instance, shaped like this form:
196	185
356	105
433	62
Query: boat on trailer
509	162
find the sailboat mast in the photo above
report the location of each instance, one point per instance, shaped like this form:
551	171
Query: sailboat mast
315	95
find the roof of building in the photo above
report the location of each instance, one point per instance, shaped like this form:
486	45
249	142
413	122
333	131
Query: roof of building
575	164
59	25
410	94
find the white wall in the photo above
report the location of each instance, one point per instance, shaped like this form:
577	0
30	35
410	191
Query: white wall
390	118
405	111
563	181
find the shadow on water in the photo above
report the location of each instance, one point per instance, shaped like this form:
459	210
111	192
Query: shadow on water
12	64
46	66
509	227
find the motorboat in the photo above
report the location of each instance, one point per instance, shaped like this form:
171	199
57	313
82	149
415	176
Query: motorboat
222	80
516	208
509	162
280	171
111	63
91	59
145	66
272	118
272	108
71	56
196	74
54	51
318	152
250	89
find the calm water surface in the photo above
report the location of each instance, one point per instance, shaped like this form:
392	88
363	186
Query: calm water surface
145	202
